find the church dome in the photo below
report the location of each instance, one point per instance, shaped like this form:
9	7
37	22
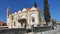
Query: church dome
19	11
15	13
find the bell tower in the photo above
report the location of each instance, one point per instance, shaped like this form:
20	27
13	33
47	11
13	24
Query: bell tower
8	13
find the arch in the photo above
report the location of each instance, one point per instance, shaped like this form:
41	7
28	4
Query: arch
33	18
32	15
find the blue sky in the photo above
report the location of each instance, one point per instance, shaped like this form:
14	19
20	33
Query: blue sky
16	5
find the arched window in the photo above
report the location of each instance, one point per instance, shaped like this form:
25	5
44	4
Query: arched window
33	19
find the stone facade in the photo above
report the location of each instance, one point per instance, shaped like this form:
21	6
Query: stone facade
32	15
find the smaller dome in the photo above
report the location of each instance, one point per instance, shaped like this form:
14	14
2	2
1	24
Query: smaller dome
15	13
24	9
33	8
19	11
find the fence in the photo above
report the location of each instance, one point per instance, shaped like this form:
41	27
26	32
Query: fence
23	30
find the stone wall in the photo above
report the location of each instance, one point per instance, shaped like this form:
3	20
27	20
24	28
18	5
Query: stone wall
13	31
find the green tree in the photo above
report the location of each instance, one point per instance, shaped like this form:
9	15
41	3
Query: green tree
46	11
22	21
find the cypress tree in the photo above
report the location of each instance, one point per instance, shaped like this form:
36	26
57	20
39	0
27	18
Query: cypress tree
46	11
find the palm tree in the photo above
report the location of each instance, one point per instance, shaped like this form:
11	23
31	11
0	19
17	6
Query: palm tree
22	21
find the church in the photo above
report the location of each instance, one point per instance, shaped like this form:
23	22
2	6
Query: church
32	15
